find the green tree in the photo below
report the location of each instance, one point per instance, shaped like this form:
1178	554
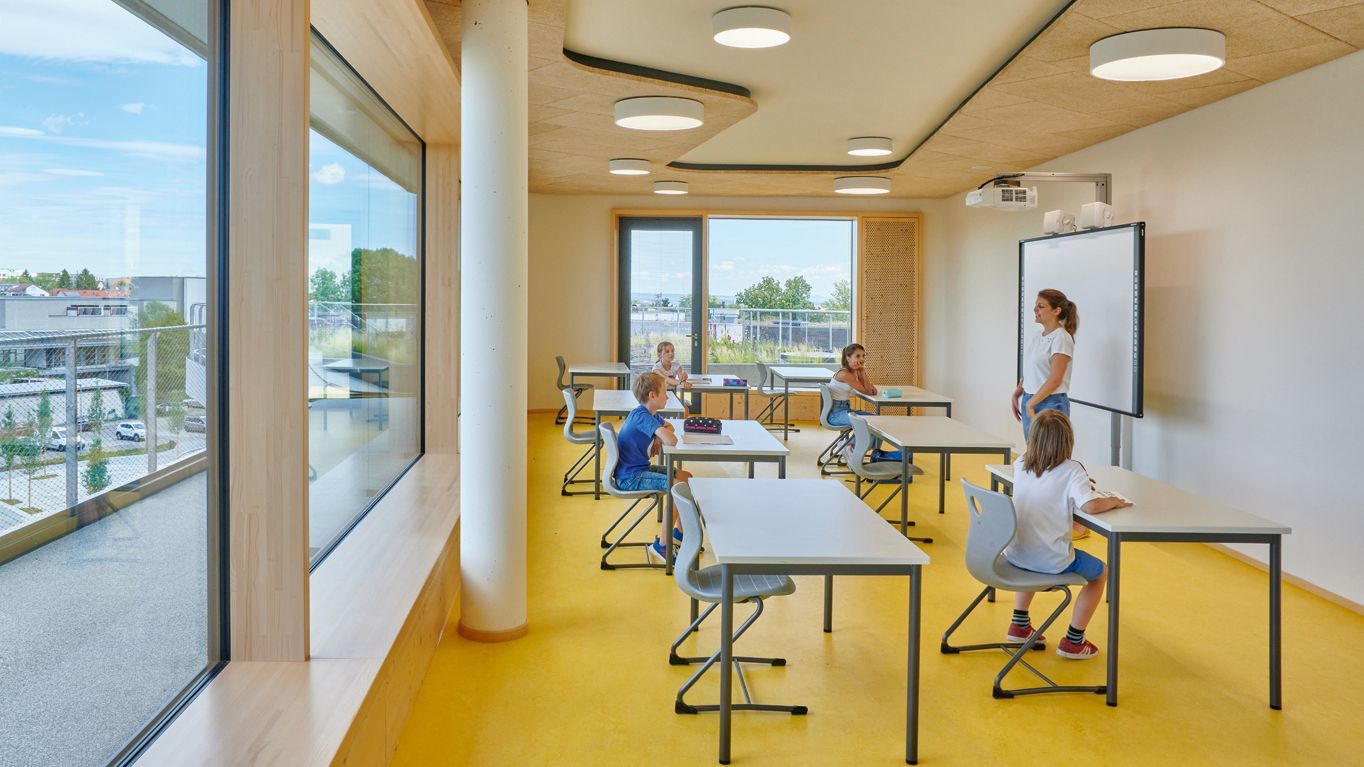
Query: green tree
86	281
383	276
171	348
664	301
46	280
44	416
95	416
96	476
325	285
26	277
11	448
842	297
176	419
684	302
796	294
765	294
32	462
64	280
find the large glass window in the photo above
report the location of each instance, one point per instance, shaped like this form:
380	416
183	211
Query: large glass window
364	308
110	607
780	291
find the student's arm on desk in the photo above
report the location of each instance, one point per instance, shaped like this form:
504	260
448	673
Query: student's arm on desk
1100	505
666	435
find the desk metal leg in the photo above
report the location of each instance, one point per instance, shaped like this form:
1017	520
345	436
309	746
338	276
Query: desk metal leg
668	520
726	657
1114	565
948	470
828	604
781	468
904	491
1275	622
596	459
942	482
785	409
912	683
745	404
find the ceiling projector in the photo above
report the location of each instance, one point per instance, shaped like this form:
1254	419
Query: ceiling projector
1003	197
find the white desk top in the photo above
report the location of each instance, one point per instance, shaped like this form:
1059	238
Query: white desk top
599	369
622	401
750	438
1161	508
932	431
908	394
802	374
796	522
712	383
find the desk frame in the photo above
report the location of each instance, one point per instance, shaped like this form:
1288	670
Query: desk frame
672	460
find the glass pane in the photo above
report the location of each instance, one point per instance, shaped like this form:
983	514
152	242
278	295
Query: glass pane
105	610
660	295
780	292
364	318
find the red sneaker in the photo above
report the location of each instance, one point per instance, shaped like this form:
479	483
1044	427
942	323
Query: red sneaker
1019	634
1082	651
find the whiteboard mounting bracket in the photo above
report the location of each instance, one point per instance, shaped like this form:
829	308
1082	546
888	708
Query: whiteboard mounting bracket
1103	182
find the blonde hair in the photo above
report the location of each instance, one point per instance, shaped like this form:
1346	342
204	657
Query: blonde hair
1050	442
661	346
646	383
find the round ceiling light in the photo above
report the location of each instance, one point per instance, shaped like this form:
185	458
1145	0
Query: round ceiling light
670	187
752	26
869	146
629	166
862	185
1157	54
659	113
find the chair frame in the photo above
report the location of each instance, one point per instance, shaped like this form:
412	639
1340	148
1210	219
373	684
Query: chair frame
833	453
655	498
861	447
570	478
578	389
1016	652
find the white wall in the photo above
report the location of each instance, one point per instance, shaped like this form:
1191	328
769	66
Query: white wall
571	268
1254	338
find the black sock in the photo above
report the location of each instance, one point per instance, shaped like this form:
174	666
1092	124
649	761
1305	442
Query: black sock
1021	618
1075	635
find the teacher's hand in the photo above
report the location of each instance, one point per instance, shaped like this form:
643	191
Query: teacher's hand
1013	405
1032	413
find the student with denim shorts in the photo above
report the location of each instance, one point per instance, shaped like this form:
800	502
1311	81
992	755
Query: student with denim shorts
1048	486
640	438
853	375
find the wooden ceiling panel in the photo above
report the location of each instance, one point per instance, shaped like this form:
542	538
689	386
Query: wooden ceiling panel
1042	104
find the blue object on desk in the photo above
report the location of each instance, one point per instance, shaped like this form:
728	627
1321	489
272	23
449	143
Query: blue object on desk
736	382
891	393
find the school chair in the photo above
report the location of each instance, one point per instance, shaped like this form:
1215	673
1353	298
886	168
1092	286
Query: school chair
993	524
576	437
608	481
876	473
833	454
578	389
776	397
704	585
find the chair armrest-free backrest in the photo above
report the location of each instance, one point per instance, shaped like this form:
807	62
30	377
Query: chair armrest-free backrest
563	369
992	525
571	411
612	450
826	406
861	443
689	554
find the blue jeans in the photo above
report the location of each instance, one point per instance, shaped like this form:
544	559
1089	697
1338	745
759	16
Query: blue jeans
1087	565
650	478
838	416
1059	402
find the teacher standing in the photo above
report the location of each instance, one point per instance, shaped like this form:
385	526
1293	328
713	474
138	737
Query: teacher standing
1046	359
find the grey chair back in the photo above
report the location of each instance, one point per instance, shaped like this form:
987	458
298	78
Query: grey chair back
826	406
764	377
563	370
688	565
861	444
571	408
611	449
993	524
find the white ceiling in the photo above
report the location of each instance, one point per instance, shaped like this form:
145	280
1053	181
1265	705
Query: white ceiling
892	68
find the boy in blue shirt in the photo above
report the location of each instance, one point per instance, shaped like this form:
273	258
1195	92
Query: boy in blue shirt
640	438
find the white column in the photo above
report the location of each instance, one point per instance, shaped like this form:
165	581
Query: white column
493	319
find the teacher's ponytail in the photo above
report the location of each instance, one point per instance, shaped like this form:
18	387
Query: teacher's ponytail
1070	315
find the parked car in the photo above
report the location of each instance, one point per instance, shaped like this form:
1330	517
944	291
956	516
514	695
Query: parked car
192	404
196	423
56	440
133	430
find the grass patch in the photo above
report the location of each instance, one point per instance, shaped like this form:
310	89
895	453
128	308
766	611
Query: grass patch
32	509
10	501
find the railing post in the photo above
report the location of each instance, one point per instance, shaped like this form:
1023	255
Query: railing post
149	400
72	434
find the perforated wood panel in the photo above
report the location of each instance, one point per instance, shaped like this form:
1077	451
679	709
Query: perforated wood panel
888	298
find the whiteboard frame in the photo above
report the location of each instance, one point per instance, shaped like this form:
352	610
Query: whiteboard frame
1139	307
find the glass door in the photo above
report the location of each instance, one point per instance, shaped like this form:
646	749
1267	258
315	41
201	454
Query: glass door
659	293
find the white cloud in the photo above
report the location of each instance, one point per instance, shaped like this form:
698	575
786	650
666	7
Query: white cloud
58	123
71	172
151	150
331	173
723	266
6	130
135	109
77	30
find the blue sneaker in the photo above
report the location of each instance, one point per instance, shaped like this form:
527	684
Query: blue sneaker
656	552
677	535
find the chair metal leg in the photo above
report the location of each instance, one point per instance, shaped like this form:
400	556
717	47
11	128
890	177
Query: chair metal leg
680	660
571	476
619	542
682	707
831	456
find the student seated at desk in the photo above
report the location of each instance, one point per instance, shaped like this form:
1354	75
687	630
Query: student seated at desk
1048	486
668	367
853	375
640	438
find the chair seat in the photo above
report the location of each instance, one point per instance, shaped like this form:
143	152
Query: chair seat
709	587
613	489
578	438
879	470
1011	578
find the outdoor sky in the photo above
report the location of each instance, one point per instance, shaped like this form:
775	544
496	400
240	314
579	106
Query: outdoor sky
102	149
742	252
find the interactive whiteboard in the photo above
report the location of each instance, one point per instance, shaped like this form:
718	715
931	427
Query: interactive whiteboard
1101	270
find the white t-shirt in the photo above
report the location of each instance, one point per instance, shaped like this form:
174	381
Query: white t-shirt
1045	506
1037	351
838	390
674	372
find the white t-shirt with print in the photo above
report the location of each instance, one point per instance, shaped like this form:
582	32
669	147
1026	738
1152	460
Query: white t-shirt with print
672	372
1037	352
1045	506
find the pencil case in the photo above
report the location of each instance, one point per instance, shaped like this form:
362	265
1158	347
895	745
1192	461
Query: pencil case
700	425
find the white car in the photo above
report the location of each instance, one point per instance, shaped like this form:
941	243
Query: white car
133	430
56	440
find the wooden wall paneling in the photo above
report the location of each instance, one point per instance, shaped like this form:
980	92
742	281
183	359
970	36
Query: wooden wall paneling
441	344
888	297
401	58
267	330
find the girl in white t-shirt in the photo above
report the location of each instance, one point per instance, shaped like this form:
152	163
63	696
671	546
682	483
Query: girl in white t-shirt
1048	487
1046	359
668	367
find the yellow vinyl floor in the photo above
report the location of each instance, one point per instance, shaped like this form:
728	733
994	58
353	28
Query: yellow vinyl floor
591	685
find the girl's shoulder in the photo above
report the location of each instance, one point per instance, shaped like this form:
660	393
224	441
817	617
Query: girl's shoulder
844	374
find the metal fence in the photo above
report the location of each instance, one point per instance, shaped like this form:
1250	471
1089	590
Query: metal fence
85	411
744	335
